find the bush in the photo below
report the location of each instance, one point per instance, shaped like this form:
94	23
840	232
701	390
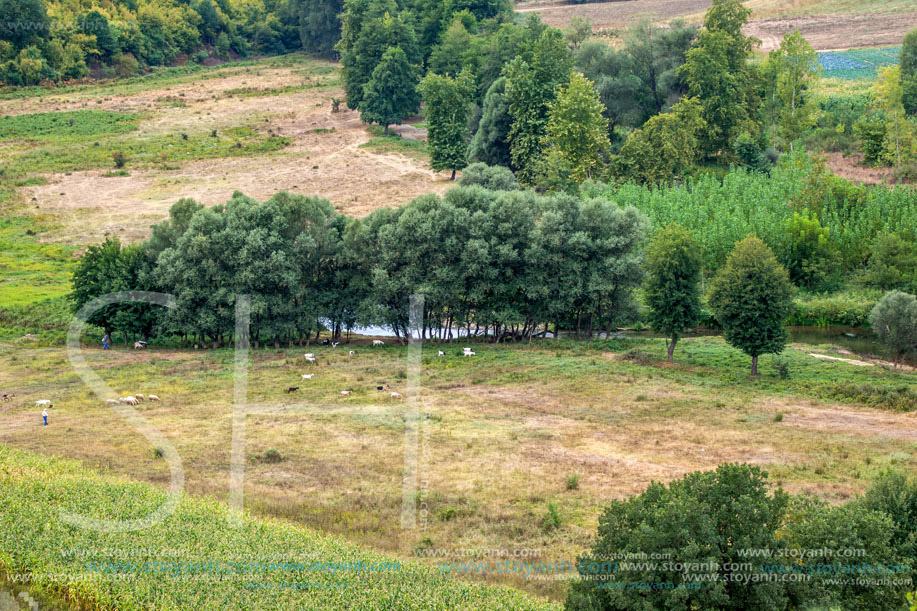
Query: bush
893	264
750	154
704	518
493	177
552	520
272	456
870	129
894	321
573	481
895	495
806	252
119	158
126	64
819	525
850	309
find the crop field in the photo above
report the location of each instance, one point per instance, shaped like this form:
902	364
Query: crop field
857	63
503	434
826	24
205	564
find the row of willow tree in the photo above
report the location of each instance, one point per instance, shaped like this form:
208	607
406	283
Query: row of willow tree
507	264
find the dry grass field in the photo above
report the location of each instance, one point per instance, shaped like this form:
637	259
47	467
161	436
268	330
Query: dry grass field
329	153
501	436
826	24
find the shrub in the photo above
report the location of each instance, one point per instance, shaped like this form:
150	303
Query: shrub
551	520
750	154
119	158
806	252
870	129
126	64
895	494
272	456
704	518
819	525
493	177
894	321
893	264
573	481
849	309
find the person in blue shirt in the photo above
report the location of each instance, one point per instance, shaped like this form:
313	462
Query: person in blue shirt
106	342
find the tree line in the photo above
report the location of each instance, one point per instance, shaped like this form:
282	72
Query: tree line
508	264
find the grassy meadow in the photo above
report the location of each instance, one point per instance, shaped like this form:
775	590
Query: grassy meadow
512	437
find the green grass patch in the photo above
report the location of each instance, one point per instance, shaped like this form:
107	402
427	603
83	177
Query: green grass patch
394	143
31	272
34	489
65	125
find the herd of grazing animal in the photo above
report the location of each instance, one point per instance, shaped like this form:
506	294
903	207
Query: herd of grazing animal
311	359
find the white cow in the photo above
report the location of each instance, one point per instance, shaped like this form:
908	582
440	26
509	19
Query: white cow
308	376
378	342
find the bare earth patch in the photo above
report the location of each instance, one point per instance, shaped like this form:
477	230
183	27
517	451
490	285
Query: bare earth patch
324	159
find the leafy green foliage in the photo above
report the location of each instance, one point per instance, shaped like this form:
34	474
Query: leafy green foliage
717	72
125	36
319	24
495	178
391	94
701	520
447	109
673	287
806	252
893	263
851	526
576	129
792	69
490	144
894	321
530	89
665	147
369	28
640	80
751	299
908	65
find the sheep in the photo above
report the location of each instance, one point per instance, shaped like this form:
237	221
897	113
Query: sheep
139	345
352	353
335	344
469	353
129	400
140	397
42	402
308	376
112	401
378	342
292	389
466	349
152	397
344	393
397	395
441	353
310	360
309	355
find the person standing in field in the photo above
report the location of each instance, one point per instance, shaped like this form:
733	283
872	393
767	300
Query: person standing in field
44	415
106	342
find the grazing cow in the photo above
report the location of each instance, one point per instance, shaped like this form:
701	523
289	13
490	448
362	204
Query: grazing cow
383	387
441	353
308	376
139	345
309	355
378	342
469	353
344	393
310	360
335	344
152	397
42	402
326	342
292	389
